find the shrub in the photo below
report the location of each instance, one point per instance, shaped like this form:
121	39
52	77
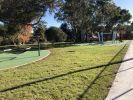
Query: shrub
55	34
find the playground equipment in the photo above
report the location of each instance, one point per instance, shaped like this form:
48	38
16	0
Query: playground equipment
101	37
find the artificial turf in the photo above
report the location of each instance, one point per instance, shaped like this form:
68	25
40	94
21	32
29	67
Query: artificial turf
65	75
14	59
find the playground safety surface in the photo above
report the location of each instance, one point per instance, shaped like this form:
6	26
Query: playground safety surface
16	59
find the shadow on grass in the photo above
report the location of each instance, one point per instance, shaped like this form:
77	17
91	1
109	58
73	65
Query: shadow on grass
111	62
104	66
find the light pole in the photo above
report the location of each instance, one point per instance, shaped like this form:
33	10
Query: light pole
38	40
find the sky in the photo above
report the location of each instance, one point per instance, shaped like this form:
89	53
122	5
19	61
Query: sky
124	4
49	18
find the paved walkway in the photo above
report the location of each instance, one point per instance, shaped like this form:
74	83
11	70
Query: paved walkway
122	88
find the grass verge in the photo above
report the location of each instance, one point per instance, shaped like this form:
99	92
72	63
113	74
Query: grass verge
69	73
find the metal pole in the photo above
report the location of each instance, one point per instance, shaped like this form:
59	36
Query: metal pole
38	46
112	38
116	38
102	38
99	37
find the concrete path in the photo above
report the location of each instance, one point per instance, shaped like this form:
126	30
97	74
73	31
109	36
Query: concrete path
122	88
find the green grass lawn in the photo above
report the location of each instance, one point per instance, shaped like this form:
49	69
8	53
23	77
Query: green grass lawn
65	75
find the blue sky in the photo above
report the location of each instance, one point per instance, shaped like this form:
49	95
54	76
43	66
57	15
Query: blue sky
124	4
49	18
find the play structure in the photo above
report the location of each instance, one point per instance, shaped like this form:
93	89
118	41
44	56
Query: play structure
114	37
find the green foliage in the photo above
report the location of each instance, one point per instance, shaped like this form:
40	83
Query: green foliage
120	28
15	29
125	16
65	28
55	34
24	11
125	30
1	39
86	16
39	30
128	32
3	30
83	16
9	33
18	13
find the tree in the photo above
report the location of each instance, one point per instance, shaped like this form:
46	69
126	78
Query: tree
110	16
24	11
10	33
55	34
82	15
71	13
18	13
40	29
125	16
128	32
3	29
65	28
86	16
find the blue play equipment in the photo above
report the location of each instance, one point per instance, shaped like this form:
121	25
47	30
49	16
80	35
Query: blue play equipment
101	37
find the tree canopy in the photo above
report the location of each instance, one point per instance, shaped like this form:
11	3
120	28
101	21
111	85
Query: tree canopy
16	14
83	16
88	15
24	11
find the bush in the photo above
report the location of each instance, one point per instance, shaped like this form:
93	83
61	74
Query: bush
55	34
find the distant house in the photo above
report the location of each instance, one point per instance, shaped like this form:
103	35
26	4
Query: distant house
25	36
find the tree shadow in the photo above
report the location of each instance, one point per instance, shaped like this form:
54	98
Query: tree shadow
104	66
122	94
17	51
7	59
12	58
111	62
116	72
98	77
